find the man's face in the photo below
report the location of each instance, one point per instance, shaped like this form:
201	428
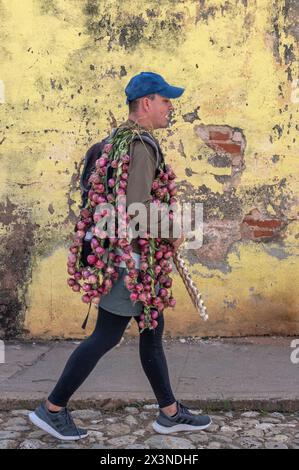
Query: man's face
159	111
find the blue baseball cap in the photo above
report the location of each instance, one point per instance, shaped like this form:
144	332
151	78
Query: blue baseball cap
146	83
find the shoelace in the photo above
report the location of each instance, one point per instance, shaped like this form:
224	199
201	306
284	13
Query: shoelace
185	409
70	421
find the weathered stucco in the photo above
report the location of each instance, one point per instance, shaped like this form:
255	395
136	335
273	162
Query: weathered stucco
233	143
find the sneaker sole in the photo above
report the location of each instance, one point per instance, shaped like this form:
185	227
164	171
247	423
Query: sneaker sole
178	427
47	428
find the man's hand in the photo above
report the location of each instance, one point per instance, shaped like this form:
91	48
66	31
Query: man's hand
178	243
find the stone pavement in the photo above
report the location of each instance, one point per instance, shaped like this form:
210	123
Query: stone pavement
131	428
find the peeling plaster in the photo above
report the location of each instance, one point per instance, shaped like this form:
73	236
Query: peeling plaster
15	269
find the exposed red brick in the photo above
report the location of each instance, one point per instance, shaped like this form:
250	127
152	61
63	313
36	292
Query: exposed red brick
227	147
270	223
263	233
216	135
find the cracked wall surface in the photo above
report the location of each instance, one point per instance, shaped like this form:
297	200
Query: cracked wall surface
233	143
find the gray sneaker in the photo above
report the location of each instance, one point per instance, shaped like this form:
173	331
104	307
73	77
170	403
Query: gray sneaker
59	425
184	420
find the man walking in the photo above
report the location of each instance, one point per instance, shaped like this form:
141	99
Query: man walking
149	99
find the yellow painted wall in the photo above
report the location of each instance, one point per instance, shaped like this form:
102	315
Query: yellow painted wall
64	67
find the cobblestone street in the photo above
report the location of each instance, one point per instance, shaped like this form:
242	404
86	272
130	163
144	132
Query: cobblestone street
131	428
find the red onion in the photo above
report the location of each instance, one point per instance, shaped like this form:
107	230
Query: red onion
134	297
94	178
81	225
80	233
100	250
86	287
121	192
94	243
85	273
168	255
163	292
95	198
99	264
130	264
157	270
85	213
91	259
125	158
102	161
142	242
92	279
142	297
108	283
154	314
100	189
110	270
97	218
133	273
143	266
72	258
102	171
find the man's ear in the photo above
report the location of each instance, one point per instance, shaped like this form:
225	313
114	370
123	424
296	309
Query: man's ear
145	103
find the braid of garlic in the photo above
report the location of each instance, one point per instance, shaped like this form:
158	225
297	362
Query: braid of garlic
190	286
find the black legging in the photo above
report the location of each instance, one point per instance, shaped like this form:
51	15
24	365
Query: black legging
107	334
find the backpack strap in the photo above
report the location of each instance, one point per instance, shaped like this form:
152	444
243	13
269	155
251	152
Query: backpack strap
89	164
89	161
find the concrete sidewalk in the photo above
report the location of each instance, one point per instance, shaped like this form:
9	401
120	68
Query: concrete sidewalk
240	373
